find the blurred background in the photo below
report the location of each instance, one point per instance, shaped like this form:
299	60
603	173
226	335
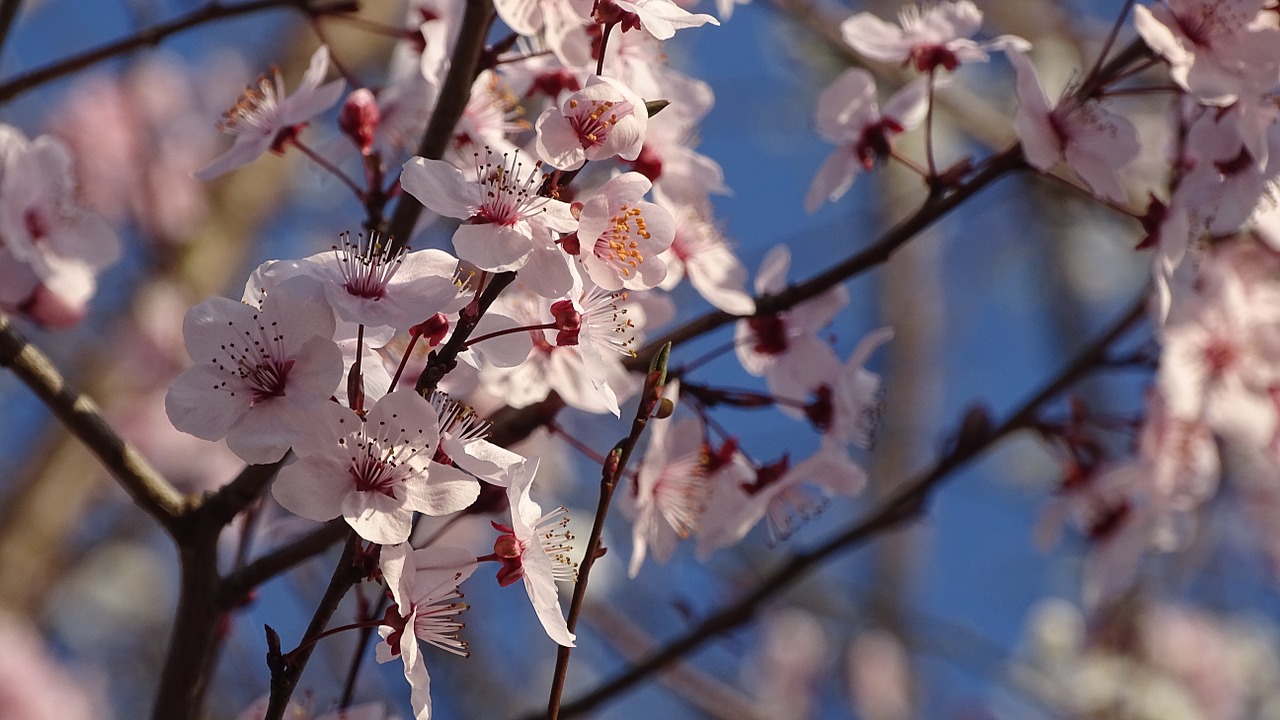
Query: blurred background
962	615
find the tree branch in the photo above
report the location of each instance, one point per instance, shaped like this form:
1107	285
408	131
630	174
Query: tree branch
214	11
907	503
454	96
237	586
82	417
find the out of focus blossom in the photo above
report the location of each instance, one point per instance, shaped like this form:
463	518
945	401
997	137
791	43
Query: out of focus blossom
1217	51
929	37
33	686
849	116
51	248
266	118
1096	144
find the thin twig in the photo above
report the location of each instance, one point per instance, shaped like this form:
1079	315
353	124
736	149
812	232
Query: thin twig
81	416
907	503
614	466
153	35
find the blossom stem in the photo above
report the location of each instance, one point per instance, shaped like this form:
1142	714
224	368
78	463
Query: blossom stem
704	358
329	167
404	360
928	131
604	43
363	624
1090	83
508	331
908	162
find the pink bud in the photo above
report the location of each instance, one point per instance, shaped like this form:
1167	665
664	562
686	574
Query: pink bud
359	119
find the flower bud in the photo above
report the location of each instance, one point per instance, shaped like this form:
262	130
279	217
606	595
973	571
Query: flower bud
359	119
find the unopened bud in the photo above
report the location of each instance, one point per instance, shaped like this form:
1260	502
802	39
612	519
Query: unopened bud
359	119
433	329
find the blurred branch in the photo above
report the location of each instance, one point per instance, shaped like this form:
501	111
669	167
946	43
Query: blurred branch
81	416
454	96
237	586
153	35
8	11
974	438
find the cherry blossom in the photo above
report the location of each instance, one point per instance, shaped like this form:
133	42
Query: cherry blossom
849	116
424	584
671	489
604	119
463	443
534	548
621	237
659	18
929	37
556	19
846	408
258	371
1216	50
784	346
1096	144
700	252
506	221
373	471
369	282
51	248
265	118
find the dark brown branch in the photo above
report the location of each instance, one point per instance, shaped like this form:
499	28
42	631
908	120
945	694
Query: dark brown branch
235	588
454	96
907	503
83	419
197	624
150	36
8	11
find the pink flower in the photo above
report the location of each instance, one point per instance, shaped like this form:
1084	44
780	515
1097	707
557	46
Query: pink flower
671	490
604	119
1216	50
849	116
258	371
936	36
463	443
375	471
1096	144
557	19
265	118
846	408
506	220
50	247
700	252
622	237
784	346
368	283
424	584
534	549
659	18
